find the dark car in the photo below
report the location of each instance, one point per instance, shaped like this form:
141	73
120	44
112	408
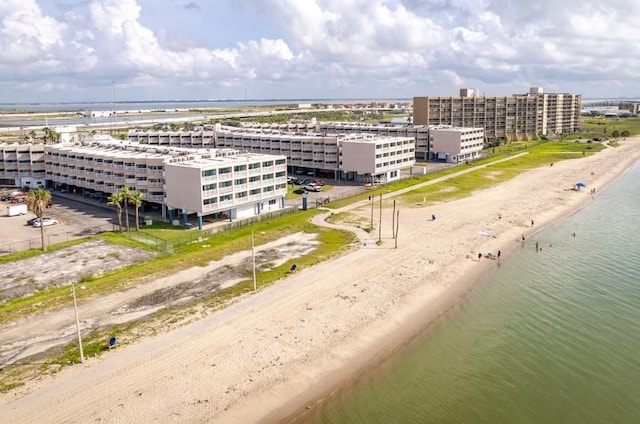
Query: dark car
300	191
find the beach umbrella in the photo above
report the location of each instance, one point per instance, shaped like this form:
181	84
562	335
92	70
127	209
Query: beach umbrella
581	185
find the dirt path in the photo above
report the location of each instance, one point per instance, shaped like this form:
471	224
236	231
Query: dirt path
24	338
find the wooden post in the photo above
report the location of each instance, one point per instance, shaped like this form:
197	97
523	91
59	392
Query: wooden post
373	198
393	220
397	226
380	226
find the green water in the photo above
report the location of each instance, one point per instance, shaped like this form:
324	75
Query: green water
550	337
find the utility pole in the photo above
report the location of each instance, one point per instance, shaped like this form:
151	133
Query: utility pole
253	259
75	307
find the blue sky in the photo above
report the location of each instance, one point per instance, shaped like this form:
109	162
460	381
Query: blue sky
85	50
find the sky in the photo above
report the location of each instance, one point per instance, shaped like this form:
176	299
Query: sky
127	50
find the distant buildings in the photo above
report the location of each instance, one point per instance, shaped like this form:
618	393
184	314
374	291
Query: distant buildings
516	117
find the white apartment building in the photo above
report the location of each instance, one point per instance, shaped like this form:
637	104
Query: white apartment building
376	159
455	145
171	177
22	165
101	168
236	186
195	139
325	155
420	133
516	117
307	151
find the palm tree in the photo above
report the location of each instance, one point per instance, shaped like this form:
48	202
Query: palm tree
115	200
136	199
38	201
126	197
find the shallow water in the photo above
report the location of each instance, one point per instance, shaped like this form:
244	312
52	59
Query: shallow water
551	337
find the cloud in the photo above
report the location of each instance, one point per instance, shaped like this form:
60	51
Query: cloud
315	48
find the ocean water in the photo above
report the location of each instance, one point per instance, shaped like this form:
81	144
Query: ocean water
550	337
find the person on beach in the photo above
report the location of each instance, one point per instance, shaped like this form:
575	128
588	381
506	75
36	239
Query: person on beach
532	222
537	246
433	217
479	256
499	254
522	237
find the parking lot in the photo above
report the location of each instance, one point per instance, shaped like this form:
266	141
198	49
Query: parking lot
75	219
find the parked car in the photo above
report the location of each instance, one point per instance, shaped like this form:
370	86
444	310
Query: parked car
312	188
300	191
33	220
319	182
45	222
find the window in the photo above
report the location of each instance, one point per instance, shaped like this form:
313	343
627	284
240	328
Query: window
208	172
239	168
210	201
224	170
209	187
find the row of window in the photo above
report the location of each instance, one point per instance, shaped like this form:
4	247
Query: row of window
241	195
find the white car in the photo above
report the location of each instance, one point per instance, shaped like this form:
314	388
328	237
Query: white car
45	222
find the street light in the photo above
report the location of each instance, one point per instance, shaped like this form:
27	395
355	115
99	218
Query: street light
75	307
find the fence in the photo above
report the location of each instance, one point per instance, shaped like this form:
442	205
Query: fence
36	243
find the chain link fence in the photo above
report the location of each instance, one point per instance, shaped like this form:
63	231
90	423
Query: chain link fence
51	238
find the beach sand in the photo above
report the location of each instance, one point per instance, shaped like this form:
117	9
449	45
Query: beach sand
274	353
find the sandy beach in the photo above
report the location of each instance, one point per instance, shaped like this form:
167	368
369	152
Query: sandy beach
276	352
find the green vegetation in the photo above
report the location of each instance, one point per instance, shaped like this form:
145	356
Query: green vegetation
609	127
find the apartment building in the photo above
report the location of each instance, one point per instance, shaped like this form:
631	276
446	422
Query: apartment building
22	165
171	177
516	117
98	169
193	139
236	186
307	150
389	154
456	145
325	155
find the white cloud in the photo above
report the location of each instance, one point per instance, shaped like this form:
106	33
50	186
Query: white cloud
315	48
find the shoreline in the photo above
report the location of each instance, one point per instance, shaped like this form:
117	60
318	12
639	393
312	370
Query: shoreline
267	357
419	322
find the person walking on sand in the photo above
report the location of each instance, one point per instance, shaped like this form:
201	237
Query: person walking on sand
537	246
499	255
479	256
532	222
